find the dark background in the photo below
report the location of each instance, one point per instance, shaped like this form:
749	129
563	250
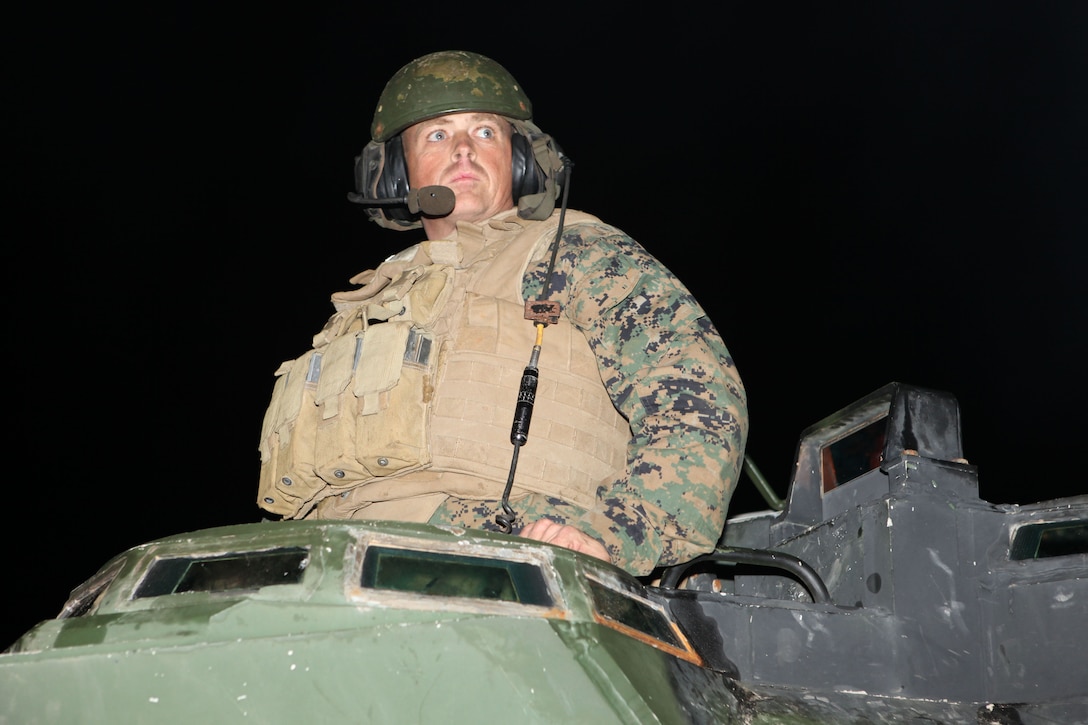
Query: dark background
860	194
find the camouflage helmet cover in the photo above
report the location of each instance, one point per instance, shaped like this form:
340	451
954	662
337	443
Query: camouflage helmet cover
450	81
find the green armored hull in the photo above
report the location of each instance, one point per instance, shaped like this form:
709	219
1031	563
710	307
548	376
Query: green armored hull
882	590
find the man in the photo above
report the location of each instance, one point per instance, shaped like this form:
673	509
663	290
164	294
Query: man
403	408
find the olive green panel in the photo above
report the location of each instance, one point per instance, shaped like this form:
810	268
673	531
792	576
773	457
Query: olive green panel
474	670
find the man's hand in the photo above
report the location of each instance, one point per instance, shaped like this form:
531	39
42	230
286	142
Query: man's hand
564	535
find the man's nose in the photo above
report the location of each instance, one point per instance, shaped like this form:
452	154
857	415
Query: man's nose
463	146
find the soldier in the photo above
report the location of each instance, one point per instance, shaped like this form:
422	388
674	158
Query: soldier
515	310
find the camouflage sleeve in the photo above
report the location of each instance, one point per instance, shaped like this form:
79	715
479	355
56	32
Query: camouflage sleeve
669	373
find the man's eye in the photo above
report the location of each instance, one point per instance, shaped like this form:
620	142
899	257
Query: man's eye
486	133
436	136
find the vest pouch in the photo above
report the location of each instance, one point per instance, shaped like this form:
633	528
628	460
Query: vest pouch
272	494
371	407
391	428
334	444
423	291
287	479
268	497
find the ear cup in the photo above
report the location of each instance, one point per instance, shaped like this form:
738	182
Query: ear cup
392	182
528	177
381	173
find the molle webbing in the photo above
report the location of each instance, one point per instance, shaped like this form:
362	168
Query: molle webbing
443	355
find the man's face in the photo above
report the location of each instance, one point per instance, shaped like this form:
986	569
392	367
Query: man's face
469	153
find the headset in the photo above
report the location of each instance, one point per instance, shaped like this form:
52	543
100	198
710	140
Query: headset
381	174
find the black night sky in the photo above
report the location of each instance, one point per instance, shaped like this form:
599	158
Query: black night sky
857	194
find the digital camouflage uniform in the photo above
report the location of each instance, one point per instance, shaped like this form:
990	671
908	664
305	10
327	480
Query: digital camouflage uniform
662	363
669	373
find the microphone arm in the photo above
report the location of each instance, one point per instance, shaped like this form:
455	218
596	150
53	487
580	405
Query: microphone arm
434	201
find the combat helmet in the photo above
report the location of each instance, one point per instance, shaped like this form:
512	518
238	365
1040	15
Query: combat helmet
453	81
450	81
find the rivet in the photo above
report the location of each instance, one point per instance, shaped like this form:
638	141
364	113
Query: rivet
383	461
269	499
286	481
338	473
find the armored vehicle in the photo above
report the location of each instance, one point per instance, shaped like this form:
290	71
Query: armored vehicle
880	589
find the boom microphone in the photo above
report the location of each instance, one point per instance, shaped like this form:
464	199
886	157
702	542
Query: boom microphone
429	201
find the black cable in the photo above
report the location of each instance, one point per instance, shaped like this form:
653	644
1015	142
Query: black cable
523	411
